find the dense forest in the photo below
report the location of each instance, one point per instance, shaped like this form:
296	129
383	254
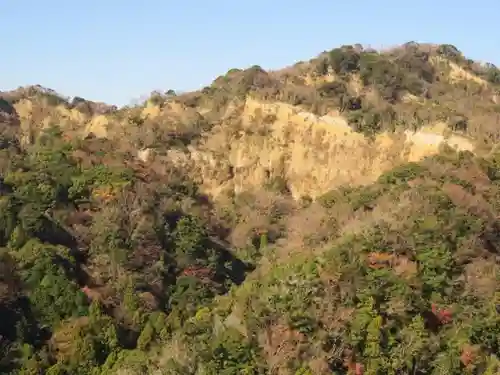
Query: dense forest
115	265
98	259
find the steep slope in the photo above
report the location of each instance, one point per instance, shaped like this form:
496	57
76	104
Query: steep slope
307	154
344	117
410	286
304	125
339	216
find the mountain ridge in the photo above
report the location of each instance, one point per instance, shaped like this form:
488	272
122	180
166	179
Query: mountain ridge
339	216
341	83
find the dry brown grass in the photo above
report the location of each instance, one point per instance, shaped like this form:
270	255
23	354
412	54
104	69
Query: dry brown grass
310	225
481	277
258	213
476	204
281	345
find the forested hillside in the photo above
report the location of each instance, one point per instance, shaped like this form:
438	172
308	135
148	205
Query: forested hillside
339	216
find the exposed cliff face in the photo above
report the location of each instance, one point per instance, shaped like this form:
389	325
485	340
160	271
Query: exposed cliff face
260	144
143	242
310	154
34	116
457	73
242	133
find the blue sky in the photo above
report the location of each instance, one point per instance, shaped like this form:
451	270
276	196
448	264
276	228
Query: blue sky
117	51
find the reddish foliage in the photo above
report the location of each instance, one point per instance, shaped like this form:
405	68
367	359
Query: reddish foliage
355	368
469	354
379	260
444	315
466	357
88	292
202	273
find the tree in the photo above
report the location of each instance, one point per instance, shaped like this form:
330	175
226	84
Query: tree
190	239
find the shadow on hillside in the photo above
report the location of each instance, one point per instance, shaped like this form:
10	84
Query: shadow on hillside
491	238
230	266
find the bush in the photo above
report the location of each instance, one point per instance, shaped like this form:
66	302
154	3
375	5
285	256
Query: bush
402	174
344	60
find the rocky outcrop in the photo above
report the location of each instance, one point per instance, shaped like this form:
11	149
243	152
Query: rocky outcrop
309	154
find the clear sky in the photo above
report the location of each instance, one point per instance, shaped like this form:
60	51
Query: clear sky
116	51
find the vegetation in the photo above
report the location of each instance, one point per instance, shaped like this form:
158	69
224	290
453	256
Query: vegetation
407	87
111	263
63	223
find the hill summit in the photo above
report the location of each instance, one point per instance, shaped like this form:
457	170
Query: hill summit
338	216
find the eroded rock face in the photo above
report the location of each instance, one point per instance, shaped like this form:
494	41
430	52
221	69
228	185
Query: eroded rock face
256	144
311	154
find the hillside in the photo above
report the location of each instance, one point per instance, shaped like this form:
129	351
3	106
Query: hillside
339	216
